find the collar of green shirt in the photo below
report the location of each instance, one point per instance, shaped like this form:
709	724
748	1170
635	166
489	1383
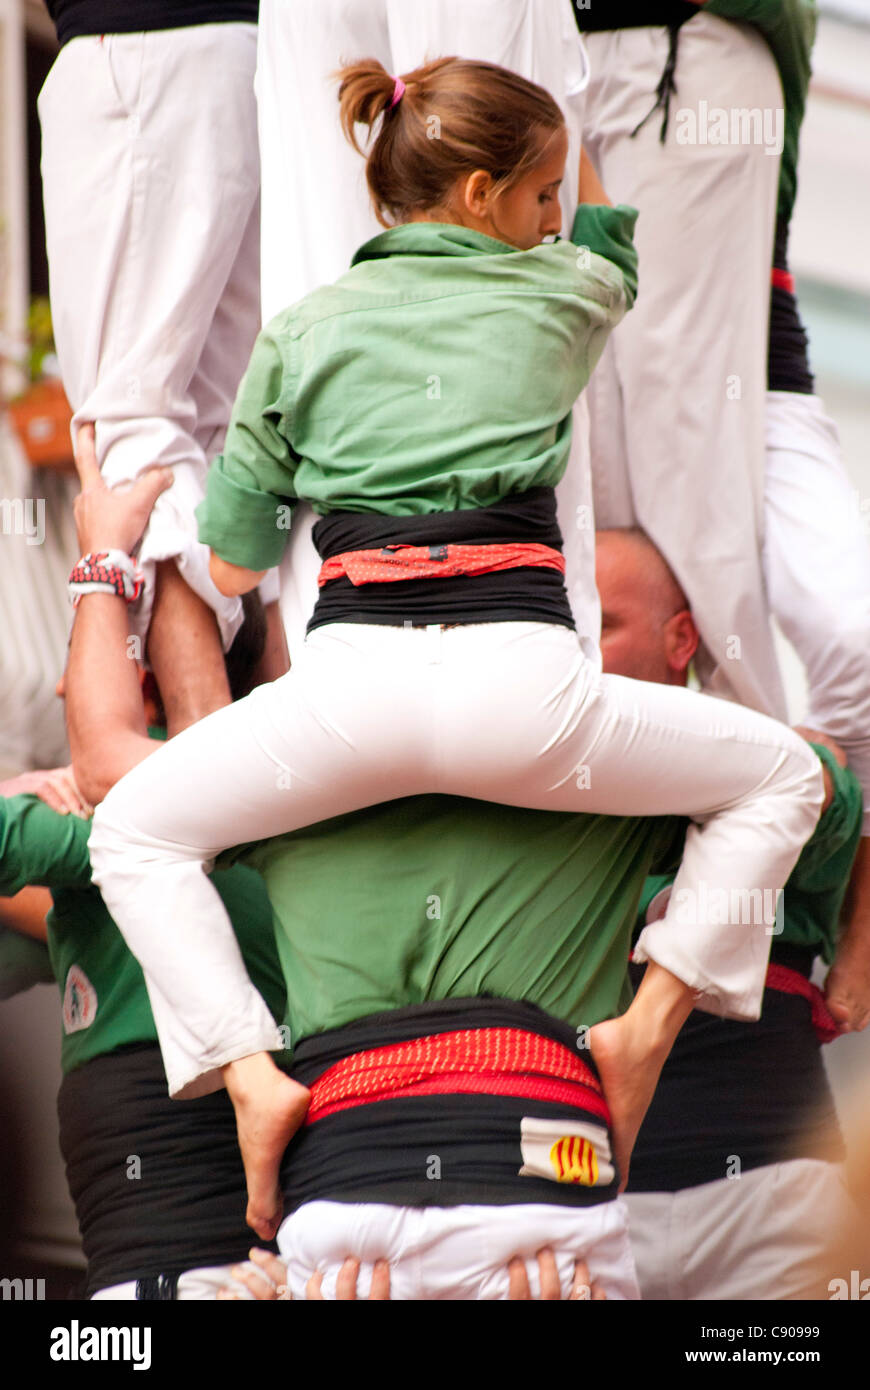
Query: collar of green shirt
429	239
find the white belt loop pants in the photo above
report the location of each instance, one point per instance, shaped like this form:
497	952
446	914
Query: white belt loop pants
151	183
677	401
456	1253
507	712
817	564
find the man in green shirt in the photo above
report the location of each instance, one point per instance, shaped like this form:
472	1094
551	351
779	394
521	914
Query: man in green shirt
158	1187
736	1187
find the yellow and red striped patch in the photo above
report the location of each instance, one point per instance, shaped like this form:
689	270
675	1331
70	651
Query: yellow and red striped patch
574	1160
576	1151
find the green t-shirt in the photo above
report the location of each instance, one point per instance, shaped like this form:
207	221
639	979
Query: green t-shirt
105	1001
813	895
438	897
437	374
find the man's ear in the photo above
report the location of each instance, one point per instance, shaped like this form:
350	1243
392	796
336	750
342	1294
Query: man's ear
681	641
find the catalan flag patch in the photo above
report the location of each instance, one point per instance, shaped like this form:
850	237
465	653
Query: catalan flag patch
566	1151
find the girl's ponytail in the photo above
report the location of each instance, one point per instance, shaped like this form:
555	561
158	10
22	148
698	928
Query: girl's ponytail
366	92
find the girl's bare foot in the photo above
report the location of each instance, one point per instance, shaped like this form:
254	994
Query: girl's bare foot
630	1052
629	1077
270	1106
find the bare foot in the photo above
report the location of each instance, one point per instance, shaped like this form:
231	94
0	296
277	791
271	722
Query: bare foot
629	1075
630	1052
847	987
270	1106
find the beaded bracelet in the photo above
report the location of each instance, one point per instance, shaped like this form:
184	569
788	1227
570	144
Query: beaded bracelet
105	572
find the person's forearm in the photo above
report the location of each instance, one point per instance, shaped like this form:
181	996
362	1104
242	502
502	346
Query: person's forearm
26	912
590	188
232	580
105	716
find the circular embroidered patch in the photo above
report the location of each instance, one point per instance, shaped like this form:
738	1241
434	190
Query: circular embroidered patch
79	1001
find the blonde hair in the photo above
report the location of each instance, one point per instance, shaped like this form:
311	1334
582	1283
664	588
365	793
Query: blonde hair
455	116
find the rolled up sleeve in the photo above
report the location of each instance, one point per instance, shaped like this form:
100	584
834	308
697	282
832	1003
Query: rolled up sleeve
245	517
609	232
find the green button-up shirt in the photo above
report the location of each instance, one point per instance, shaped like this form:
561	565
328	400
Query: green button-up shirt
438	374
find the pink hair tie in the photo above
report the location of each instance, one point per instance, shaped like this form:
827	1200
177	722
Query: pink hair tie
398	93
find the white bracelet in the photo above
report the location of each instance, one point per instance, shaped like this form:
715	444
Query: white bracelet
105	572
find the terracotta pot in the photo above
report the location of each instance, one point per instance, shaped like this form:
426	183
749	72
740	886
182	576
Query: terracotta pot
41	418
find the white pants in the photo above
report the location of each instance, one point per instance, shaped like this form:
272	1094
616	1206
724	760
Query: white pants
194	1285
769	1234
316	206
456	1252
151	181
506	712
677	401
817	565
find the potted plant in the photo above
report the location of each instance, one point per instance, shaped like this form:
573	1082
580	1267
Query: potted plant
41	416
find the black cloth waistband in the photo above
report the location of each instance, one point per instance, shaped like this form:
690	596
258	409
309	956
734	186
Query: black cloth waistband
74	19
517	595
439	1150
314	1054
158	1184
630	14
756	1092
525	516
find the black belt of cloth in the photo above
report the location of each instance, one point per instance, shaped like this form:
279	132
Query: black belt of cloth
75	19
532	595
788	366
621	14
158	1184
630	14
757	1091
427	1151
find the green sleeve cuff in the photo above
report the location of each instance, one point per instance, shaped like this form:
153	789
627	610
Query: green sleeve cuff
609	232
242	525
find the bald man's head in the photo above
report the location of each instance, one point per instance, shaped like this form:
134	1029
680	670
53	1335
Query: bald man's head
647	631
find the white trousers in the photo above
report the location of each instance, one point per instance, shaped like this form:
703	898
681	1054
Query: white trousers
456	1253
316	207
151	182
506	712
194	1286
677	401
817	565
769	1234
